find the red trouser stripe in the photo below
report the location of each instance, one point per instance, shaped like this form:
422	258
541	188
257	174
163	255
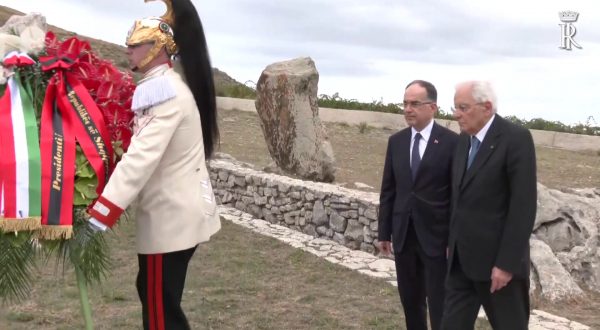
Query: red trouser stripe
150	293
158	295
154	290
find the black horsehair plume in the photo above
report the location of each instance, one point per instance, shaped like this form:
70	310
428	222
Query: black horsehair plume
195	60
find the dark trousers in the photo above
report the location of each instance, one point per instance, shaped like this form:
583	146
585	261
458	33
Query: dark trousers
159	283
507	309
420	283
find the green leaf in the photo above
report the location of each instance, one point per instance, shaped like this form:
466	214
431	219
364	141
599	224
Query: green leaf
80	200
85	171
80	159
87	251
17	257
83	167
85	191
118	149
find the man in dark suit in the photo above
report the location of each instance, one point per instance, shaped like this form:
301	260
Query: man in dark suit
494	200
414	202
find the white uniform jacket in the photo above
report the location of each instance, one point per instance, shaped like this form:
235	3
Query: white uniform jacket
165	168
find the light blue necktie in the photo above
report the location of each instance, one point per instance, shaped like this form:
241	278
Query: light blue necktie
474	148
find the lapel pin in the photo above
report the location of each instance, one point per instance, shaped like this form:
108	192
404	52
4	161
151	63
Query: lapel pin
492	147
435	141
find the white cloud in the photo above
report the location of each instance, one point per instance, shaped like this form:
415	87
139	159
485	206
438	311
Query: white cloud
371	50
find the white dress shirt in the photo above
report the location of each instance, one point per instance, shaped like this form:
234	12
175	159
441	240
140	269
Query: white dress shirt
481	134
425	134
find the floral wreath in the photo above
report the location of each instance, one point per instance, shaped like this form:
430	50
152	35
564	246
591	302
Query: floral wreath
65	121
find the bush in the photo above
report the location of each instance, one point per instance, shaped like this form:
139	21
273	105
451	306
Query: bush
556	126
336	102
238	91
363	127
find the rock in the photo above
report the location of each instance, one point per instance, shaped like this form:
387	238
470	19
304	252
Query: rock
367	248
338	223
555	283
368	235
383	265
319	216
340	239
269	216
568	221
256	211
361	185
310	230
354	230
371	214
352	245
286	103
31	30
322	230
17	23
223	156
273	168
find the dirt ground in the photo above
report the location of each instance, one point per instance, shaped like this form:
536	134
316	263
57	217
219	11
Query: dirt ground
360	154
239	280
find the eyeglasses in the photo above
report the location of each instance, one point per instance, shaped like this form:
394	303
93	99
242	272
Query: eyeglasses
414	104
464	107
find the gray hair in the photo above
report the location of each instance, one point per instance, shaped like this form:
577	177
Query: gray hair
482	91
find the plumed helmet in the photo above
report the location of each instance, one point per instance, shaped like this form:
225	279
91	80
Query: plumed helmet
180	31
155	30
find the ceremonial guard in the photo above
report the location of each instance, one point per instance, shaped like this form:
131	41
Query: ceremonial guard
175	131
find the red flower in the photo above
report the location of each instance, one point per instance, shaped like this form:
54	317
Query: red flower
111	89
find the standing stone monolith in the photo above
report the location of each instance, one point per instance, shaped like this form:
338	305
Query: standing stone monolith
287	106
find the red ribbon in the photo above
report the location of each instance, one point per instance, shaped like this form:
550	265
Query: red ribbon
18	60
7	160
69	115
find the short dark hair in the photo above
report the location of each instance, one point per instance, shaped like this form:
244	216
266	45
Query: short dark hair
429	88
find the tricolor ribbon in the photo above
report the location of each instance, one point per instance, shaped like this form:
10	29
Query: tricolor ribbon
69	116
20	179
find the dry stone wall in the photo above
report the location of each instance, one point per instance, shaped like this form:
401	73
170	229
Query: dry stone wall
346	216
564	244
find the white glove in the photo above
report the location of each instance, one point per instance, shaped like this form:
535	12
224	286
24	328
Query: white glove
96	225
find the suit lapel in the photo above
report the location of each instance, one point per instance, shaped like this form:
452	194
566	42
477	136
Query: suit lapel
462	153
404	159
430	149
432	144
487	148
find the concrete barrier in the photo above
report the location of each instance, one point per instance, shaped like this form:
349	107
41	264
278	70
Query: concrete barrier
551	139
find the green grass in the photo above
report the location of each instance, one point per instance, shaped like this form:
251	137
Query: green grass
236	90
240	280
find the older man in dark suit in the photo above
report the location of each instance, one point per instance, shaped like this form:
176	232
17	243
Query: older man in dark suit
494	201
414	201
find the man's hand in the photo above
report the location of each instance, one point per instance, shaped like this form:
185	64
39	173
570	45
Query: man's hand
385	248
500	279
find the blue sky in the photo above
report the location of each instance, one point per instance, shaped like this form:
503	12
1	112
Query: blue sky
369	50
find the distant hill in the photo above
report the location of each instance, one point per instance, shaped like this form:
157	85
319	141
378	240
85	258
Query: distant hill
224	84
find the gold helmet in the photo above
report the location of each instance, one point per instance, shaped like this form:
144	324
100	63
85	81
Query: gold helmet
157	30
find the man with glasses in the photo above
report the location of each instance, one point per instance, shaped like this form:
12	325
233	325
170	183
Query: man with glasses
493	211
414	206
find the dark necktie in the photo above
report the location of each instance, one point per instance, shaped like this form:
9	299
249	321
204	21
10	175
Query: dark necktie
474	148
415	157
